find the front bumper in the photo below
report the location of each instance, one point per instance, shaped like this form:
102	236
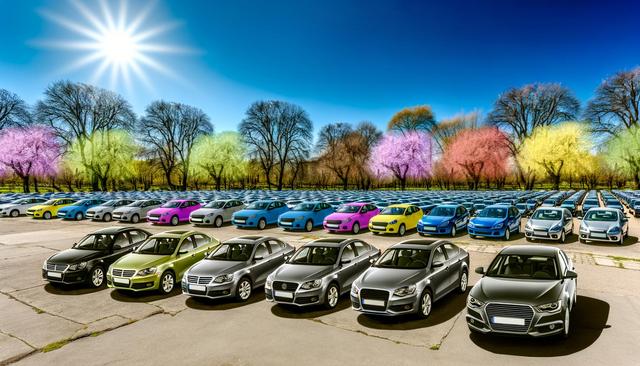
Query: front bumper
162	220
253	222
541	324
135	283
35	214
207	220
434	229
292	225
391	306
210	291
385	229
66	277
338	228
94	215
542	235
589	236
298	297
486	232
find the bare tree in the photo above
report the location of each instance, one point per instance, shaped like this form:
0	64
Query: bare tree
616	104
448	128
170	129
13	110
333	147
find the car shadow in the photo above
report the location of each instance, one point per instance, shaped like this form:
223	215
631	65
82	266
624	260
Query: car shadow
443	310
308	312
76	289
202	303
143	296
628	241
588	320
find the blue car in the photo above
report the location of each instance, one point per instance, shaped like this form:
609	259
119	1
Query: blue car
259	214
495	221
444	219
305	215
78	210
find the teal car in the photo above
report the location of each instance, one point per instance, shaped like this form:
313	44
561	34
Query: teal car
78	210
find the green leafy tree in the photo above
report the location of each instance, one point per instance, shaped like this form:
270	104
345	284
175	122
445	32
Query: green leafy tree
220	156
623	152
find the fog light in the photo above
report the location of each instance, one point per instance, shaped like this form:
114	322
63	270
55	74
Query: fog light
471	321
225	292
313	299
552	327
149	284
407	307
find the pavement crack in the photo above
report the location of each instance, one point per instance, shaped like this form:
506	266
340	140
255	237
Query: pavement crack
362	332
37	309
444	337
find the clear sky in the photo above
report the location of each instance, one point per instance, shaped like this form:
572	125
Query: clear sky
340	60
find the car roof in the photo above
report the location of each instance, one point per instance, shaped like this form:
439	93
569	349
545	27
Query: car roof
401	205
175	233
113	230
249	239
530	250
330	242
427	244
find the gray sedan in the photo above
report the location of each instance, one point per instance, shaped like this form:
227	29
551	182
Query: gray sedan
549	223
604	224
319	272
410	276
236	267
216	212
527	290
104	212
135	210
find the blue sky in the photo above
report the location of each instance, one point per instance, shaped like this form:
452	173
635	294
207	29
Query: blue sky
340	60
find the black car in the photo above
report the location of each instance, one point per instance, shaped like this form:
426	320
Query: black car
88	260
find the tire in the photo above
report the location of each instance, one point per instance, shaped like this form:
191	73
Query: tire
332	296
14	213
106	217
563	237
402	230
472	236
426	304
453	231
244	290
167	282
135	218
421	234
567	323
46	215
175	220
528	239
79	216
507	234
218	221
621	242
582	241
96	277
262	223
355	228
308	226
463	282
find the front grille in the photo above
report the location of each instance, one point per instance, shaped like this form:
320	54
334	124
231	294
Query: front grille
382	224
240	218
334	222
304	300
199	280
56	267
197	216
371	294
287	220
123	272
288	286
510	311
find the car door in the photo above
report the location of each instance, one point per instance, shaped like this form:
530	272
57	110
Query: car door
567	221
348	271
365	255
462	217
454	264
261	263
278	254
120	245
439	274
184	257
624	223
227	210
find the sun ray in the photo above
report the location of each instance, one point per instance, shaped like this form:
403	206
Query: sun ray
141	17
89	16
111	25
155	31
75	27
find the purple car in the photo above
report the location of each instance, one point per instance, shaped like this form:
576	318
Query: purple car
173	212
350	217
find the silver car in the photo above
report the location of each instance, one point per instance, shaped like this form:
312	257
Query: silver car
319	272
104	212
236	267
410	276
549	223
604	224
216	212
19	207
135	210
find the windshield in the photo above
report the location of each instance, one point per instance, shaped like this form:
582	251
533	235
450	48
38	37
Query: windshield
524	267
84	203
215	204
315	255
393	211
348	209
136	203
111	203
554	215
304	207
493	212
521	206
568	203
232	252
404	258
442	211
95	242
172	204
159	246
21	201
591	202
260	205
601	215
50	202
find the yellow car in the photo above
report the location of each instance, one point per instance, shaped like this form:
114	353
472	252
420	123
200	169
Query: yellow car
49	209
396	219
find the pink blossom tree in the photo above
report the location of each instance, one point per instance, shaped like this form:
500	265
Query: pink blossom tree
29	152
476	154
402	156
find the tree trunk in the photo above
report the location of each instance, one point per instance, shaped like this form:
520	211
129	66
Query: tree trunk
25	184
636	179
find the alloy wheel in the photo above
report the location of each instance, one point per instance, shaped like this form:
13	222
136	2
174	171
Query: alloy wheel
79	216
97	277
135	218
244	290
308	226
15	213
402	230
562	237
507	233
464	280
262	224
167	282
332	296
356	228
106	217
425	306
174	221
47	215
218	221
453	231
567	318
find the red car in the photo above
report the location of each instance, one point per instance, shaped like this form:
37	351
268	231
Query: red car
173	212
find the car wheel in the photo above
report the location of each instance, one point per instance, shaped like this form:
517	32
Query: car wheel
262	223
135	218
464	281
453	231
97	277
46	215
308	226
79	216
563	238
402	230
106	217
355	228
582	241
472	236
528	239
167	282
421	234
243	293
621	241
332	296
507	234
14	213
175	221
426	303
567	319
218	221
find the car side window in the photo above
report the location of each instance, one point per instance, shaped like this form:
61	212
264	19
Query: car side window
275	245
262	251
361	248
451	250
121	241
200	240
348	253
137	236
364	209
438	256
187	245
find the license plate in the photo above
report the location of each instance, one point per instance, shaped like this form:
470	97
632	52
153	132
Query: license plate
241	221
378	228
333	226
196	220
430	228
508	321
121	281
54	274
285	294
197	288
372	302
286	223
599	235
539	233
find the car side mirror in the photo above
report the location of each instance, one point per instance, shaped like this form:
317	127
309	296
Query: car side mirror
287	257
74	245
437	264
258	258
345	261
570	275
116	246
182	252
372	260
480	270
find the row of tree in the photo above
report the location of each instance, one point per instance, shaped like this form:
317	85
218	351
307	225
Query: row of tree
82	136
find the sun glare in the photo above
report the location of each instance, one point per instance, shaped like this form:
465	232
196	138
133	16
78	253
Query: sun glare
117	46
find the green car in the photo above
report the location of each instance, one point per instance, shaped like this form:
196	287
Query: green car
160	262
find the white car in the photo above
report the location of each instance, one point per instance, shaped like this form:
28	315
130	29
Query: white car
216	212
135	210
104	212
19	207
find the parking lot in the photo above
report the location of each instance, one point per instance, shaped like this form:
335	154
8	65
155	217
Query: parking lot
41	324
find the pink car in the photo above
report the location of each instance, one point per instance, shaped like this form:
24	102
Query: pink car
173	212
350	217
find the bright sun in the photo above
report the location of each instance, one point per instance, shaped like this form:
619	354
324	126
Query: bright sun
119	47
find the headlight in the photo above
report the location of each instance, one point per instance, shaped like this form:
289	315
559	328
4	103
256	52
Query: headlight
550	307
44	264
166	213
78	266
311	284
444	223
528	226
556	227
498	225
355	291
223	278
584	227
405	291
269	283
146	271
393	222
472	302
614	230
347	220
210	214
470	224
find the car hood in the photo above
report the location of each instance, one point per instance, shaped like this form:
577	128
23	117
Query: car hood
126	209
301	272
209	267
390	278
600	225
39	207
140	261
543	224
249	212
487	221
435	220
294	214
101	208
70	256
341	216
387	218
206	211
491	289
8	205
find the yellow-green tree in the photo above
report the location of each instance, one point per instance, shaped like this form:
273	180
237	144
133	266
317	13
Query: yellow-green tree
106	155
220	156
623	151
556	150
